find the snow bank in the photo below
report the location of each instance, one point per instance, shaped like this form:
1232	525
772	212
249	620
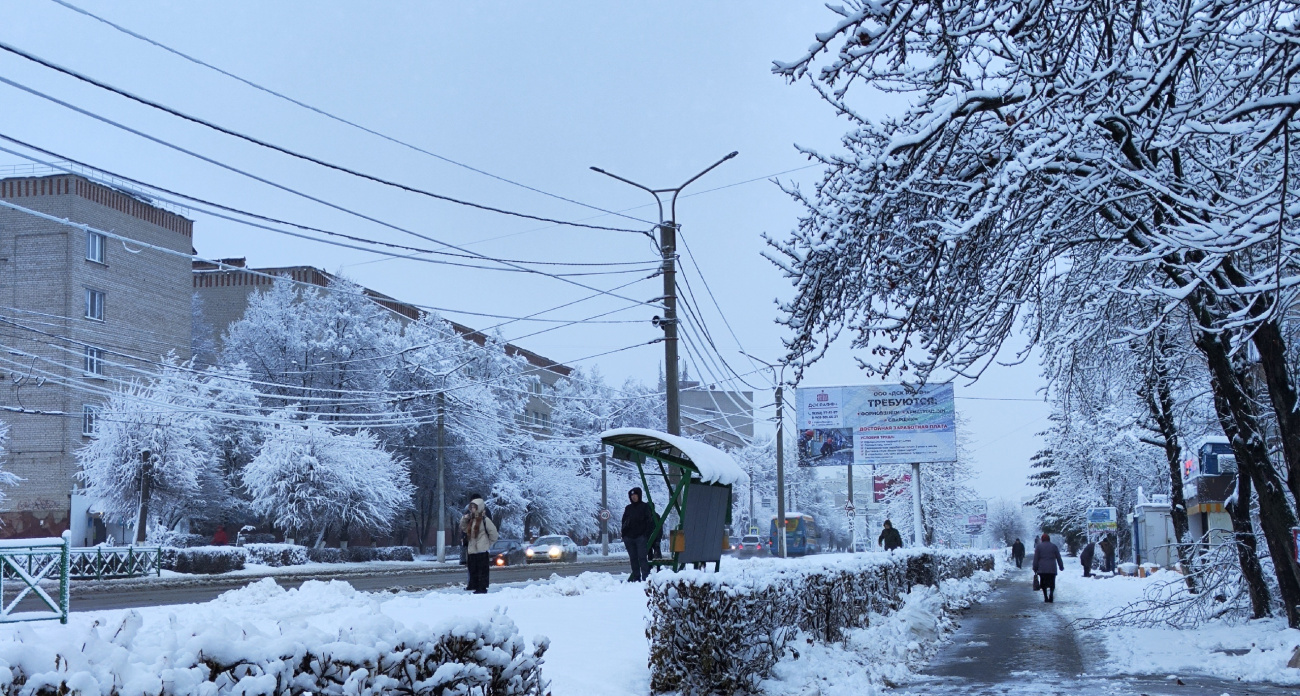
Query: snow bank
725	632
1252	651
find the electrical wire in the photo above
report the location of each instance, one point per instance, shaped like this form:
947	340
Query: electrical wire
334	117
293	153
642	265
270	183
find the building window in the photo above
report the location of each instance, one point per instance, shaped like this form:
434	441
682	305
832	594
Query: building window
94	305
94	361
95	247
89	419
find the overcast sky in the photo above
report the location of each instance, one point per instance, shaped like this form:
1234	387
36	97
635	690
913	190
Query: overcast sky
531	92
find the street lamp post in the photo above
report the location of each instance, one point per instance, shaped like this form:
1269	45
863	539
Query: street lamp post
668	250
778	371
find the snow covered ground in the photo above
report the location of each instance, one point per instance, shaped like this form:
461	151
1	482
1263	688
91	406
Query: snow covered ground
595	622
1210	650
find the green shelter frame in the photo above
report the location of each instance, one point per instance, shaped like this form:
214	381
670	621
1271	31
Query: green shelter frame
679	474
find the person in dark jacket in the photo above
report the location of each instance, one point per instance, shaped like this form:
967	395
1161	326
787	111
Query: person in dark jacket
889	537
1107	554
1085	559
638	523
1018	552
1047	561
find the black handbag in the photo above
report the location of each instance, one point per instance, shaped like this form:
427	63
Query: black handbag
1037	586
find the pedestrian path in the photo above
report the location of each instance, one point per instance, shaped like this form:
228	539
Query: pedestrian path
1014	643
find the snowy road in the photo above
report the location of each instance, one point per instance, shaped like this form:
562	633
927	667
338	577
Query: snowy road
126	595
1014	643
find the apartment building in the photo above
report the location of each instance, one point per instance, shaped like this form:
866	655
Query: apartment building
224	294
78	310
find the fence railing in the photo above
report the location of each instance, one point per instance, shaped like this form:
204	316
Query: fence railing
28	562
108	563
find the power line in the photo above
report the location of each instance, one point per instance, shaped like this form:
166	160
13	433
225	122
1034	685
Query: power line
293	153
334	117
282	187
643	265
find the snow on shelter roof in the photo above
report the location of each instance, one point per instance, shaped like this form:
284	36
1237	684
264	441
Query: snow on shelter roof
714	465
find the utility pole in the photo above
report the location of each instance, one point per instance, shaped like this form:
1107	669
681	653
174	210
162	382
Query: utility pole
668	251
146	473
780	472
778	372
442	480
604	506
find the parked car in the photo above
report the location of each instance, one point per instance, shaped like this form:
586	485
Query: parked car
749	545
733	544
507	552
551	549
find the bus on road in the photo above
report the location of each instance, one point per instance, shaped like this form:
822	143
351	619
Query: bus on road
801	536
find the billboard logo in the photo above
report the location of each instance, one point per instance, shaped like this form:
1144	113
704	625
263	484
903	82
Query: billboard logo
823	397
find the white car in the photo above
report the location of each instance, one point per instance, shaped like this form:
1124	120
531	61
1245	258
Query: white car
551	549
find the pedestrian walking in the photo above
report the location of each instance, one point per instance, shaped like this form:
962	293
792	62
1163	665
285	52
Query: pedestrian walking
1085	559
480	534
1107	554
220	538
638	523
889	537
1018	552
1047	561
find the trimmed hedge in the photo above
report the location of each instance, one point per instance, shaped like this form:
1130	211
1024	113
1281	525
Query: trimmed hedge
204	560
361	554
276	555
180	540
484	656
325	555
721	633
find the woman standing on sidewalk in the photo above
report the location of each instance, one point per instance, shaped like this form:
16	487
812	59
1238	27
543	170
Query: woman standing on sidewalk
1047	560
480	534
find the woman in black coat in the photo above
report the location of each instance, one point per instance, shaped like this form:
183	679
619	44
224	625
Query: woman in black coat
1047	561
1085	559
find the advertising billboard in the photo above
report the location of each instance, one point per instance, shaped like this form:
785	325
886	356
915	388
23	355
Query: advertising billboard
1102	519
875	425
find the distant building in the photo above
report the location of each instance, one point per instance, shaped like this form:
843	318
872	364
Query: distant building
224	295
78	309
724	419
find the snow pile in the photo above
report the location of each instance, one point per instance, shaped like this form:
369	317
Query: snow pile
276	555
725	632
370	655
1250	651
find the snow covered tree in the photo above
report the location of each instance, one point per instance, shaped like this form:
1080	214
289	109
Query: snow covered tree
1006	523
1054	162
309	479
166	415
7	478
328	351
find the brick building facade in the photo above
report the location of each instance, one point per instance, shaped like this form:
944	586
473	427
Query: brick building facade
77	310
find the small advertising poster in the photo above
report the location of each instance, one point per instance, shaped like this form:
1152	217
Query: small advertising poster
1102	519
873	425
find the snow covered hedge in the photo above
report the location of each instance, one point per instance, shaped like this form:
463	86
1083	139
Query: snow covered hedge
276	555
470	657
361	554
723	632
204	560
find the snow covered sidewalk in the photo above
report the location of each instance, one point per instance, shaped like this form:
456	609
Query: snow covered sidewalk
1014	643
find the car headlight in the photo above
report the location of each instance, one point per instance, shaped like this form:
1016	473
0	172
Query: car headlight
528	552
555	552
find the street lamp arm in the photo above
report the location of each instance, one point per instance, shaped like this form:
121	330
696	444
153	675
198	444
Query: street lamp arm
691	180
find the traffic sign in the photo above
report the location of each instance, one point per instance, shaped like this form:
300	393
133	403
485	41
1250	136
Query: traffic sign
604	515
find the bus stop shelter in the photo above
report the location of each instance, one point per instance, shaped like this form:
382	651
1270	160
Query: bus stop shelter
699	480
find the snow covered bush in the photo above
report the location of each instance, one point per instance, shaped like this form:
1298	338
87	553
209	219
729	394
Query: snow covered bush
325	554
460	657
276	555
394	553
204	560
7	478
309	478
180	540
723	632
